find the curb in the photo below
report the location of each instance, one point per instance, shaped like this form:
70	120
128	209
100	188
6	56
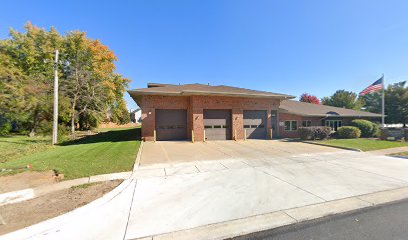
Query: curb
397	156
284	218
138	157
345	148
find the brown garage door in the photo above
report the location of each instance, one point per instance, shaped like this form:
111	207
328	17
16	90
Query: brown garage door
255	124
217	124
171	124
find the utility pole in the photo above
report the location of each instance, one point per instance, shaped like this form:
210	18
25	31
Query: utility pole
55	122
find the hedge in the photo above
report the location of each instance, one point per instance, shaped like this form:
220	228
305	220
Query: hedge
366	127
348	132
316	132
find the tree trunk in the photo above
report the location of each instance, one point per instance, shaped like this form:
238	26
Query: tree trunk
73	115
35	123
73	124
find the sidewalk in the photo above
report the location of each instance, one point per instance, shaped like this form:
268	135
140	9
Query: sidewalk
29	193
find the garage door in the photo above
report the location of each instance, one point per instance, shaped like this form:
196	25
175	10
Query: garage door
171	124
255	124
217	124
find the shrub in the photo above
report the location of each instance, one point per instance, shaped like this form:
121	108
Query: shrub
5	128
366	127
376	130
348	132
317	132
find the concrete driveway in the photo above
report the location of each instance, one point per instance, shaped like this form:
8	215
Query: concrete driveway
171	153
183	185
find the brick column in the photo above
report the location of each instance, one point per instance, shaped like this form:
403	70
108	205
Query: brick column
198	124
238	123
269	123
148	124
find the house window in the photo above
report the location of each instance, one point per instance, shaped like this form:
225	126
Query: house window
306	123
333	124
290	125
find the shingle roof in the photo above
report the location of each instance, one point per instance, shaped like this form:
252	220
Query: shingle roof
317	110
203	89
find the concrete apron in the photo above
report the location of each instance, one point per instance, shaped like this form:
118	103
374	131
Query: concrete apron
269	221
226	198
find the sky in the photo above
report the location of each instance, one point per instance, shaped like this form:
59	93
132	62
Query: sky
284	46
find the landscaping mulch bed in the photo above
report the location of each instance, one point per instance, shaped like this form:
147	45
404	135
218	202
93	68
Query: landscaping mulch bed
27	213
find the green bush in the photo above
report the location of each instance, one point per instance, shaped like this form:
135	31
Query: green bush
5	128
316	132
366	127
376	130
348	132
63	132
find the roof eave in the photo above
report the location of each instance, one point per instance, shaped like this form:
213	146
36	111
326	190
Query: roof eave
229	94
205	93
327	115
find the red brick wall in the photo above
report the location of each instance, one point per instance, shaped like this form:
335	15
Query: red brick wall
195	106
294	134
316	121
150	103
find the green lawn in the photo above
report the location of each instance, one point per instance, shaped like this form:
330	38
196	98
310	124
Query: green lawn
107	152
363	144
17	146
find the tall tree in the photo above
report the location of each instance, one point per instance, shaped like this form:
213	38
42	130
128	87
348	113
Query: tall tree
12	90
90	80
344	99
89	83
305	97
32	53
396	103
372	102
77	71
117	105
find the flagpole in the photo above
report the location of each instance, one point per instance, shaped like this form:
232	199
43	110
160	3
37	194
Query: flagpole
383	103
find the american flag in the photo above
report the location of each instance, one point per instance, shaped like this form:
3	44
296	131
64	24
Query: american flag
376	86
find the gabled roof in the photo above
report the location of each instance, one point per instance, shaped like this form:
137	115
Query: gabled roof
203	89
318	110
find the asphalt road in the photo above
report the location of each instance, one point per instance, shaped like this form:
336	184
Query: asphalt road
387	222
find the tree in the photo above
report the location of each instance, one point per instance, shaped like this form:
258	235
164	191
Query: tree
343	99
305	97
77	71
89	83
396	103
119	112
372	102
12	92
28	53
